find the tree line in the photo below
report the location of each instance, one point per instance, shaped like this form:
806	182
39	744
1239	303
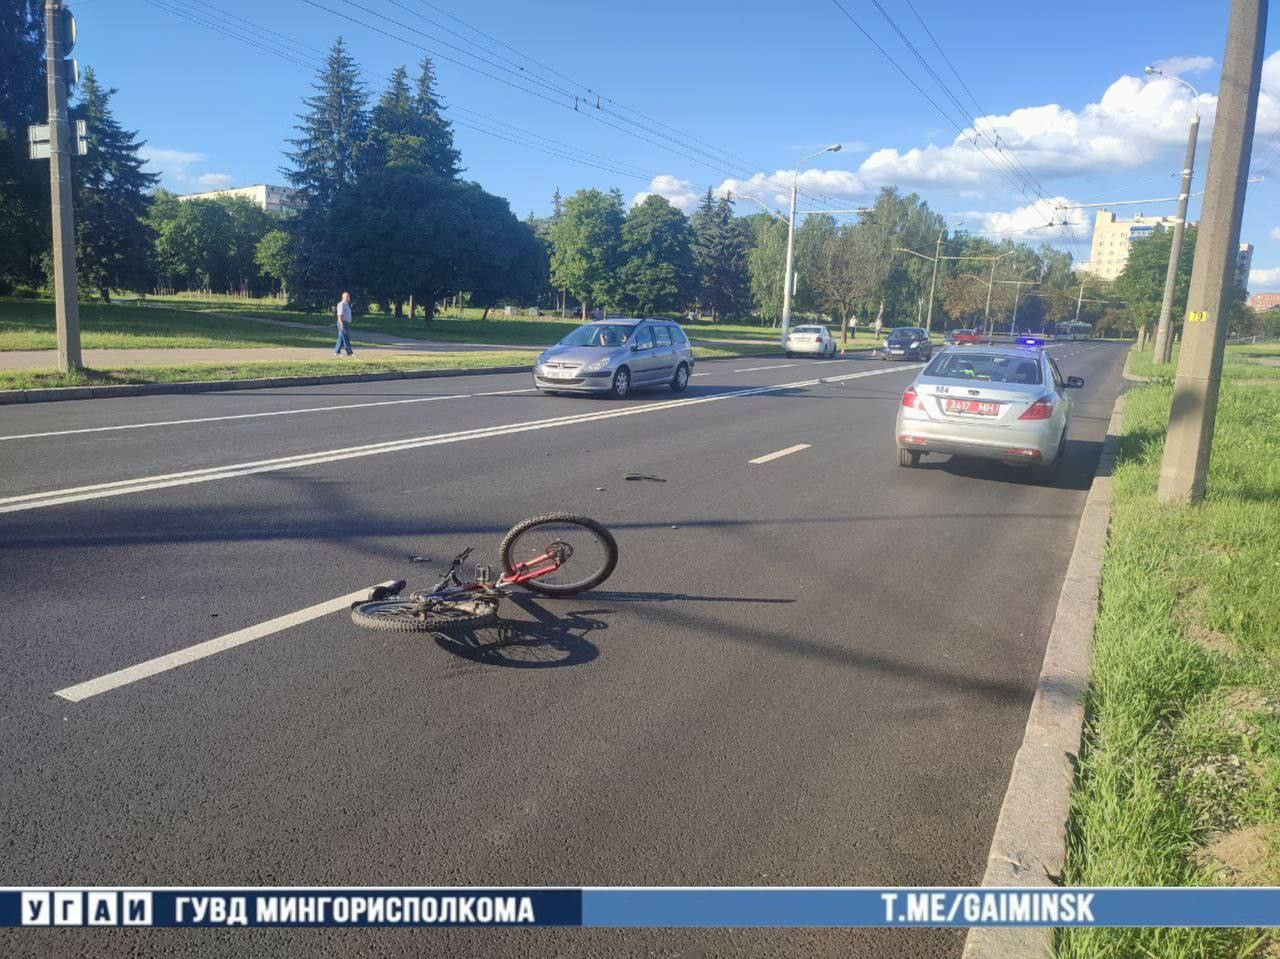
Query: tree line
387	213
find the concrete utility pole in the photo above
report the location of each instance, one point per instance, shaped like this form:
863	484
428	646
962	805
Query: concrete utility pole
787	279
1164	341
937	254
61	144
1185	467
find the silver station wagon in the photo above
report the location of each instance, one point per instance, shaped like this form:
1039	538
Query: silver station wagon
1007	403
615	357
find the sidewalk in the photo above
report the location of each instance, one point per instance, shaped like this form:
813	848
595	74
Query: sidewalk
374	338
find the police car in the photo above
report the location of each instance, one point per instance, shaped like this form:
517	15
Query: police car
999	402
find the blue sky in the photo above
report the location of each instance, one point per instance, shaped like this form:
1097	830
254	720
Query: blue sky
758	84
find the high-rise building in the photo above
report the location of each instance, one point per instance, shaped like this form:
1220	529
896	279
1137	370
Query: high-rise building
1244	263
1112	238
273	199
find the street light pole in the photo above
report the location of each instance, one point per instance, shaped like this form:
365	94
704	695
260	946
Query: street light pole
1163	349
791	241
1185	466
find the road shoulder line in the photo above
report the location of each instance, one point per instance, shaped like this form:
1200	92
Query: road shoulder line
1030	841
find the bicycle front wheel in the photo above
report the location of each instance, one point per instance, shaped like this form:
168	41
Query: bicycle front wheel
412	616
585	552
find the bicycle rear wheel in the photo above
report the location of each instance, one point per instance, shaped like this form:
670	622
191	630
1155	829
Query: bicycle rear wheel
586	551
411	616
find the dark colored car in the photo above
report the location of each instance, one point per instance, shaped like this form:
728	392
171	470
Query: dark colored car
907	343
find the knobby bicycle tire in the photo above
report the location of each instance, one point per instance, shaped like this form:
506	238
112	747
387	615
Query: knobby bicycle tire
409	616
601	533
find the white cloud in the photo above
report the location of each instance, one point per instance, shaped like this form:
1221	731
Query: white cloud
1267	279
213	181
1137	120
775	188
1034	223
1275	233
1182	65
176	169
169	161
681	194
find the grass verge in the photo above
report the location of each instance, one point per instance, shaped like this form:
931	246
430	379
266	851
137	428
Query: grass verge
203	372
1259	361
252	370
1179	777
29	325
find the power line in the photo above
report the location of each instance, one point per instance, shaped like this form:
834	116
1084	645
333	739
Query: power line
683	141
515	135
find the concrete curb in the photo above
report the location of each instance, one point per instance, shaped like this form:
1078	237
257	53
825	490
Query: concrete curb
1132	377
1030	842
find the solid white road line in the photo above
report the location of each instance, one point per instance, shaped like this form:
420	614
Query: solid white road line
769	457
757	369
25	501
161	664
250	416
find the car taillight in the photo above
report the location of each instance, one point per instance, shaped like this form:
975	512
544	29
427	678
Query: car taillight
911	400
1041	409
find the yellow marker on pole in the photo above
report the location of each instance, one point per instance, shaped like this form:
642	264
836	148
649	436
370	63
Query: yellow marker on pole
1198	316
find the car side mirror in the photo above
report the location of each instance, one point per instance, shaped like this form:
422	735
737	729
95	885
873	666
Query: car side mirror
1075	382
635	347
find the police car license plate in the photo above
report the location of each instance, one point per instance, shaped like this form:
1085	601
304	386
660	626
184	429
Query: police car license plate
971	407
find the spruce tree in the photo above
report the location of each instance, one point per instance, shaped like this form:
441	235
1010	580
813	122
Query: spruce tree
396	140
720	247
330	154
111	197
24	186
332	148
437	132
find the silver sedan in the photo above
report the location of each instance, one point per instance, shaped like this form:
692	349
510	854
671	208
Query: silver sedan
1006	403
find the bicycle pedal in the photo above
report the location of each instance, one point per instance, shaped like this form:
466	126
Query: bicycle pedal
484	574
386	592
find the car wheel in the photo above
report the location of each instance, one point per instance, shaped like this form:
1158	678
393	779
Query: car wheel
1046	474
680	380
908	458
621	383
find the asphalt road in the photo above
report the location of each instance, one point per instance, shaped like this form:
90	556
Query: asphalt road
814	670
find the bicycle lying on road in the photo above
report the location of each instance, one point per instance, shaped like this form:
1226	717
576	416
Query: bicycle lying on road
557	554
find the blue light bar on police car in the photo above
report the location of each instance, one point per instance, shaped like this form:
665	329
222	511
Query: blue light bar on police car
1033	341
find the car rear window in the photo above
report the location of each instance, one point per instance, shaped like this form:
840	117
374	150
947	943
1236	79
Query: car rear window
661	336
678	337
807	329
986	367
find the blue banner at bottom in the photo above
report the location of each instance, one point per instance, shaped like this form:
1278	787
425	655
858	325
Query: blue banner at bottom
636	907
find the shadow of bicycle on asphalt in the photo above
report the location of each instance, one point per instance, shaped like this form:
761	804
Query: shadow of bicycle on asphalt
550	641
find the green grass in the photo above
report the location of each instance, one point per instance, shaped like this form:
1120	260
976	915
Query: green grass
196	372
29	325
1182	738
1241	362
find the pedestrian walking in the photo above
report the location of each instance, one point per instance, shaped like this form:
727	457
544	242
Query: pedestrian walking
343	310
